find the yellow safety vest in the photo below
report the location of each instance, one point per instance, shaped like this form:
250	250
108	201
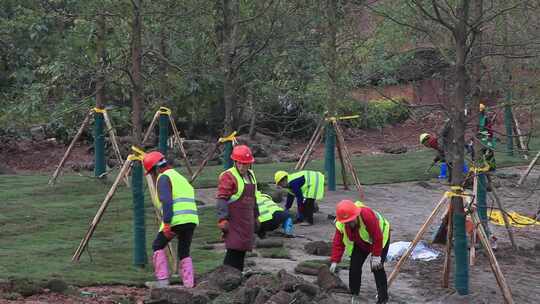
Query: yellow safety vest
240	184
267	207
384	224
183	195
313	186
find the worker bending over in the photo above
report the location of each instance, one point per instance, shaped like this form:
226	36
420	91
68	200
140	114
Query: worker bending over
306	186
361	231
271	216
177	199
236	207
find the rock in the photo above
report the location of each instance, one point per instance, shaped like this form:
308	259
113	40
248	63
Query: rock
262	297
250	263
329	281
225	277
280	298
38	133
306	270
25	287
207	289
244	295
301	298
266	281
320	248
178	295
394	149
57	285
269	243
309	289
287	281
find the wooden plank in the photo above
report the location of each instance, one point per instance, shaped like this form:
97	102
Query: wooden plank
100	212
521	138
501	281
348	160
416	239
211	153
312	149
503	212
342	162
531	165
181	144
85	122
304	158
150	128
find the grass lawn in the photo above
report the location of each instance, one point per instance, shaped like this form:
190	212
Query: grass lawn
41	226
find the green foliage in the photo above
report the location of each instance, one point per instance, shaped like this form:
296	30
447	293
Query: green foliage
375	113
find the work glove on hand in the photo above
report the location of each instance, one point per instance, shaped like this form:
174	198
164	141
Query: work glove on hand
167	232
333	267
223	225
376	263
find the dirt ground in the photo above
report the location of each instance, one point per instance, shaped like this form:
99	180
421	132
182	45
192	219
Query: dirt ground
407	205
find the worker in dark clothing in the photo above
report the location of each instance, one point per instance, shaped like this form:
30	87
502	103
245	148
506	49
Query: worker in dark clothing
177	199
272	216
307	187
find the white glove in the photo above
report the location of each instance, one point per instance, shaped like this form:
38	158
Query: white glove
333	267
376	263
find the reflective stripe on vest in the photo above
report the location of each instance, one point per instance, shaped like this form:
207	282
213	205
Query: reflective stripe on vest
240	184
184	206
362	230
266	206
314	183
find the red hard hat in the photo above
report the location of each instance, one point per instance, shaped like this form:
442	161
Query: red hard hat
346	211
152	159
242	154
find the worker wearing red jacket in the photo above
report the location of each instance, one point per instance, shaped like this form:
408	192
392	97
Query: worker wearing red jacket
361	231
237	209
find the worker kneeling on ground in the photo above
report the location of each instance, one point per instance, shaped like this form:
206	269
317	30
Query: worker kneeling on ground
361	231
177	199
237	210
306	186
271	216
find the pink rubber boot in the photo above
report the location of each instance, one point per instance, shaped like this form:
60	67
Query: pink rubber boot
161	270
186	269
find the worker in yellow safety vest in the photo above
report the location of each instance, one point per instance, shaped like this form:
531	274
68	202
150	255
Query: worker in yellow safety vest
177	199
306	186
361	231
271	216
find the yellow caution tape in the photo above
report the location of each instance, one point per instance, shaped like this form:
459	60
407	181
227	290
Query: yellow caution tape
231	137
138	151
515	219
480	169
456	191
134	157
165	111
98	110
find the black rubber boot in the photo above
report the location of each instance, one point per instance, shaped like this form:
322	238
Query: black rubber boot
382	286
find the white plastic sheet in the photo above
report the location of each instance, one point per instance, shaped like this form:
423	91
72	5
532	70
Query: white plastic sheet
421	251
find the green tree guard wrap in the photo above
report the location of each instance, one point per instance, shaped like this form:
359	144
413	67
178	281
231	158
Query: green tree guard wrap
163	133
508	125
461	274
139	233
227	150
99	145
481	201
330	157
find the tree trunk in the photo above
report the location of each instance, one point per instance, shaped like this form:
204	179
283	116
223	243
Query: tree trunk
331	55
477	80
231	10
136	58
100	53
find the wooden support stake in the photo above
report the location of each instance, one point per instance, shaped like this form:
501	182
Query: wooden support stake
159	216
342	162
521	138
70	147
181	144
100	212
501	281
204	162
311	140
348	160
417	238
531	165
314	140
114	142
312	149
503	212
150	128
472	249
448	250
